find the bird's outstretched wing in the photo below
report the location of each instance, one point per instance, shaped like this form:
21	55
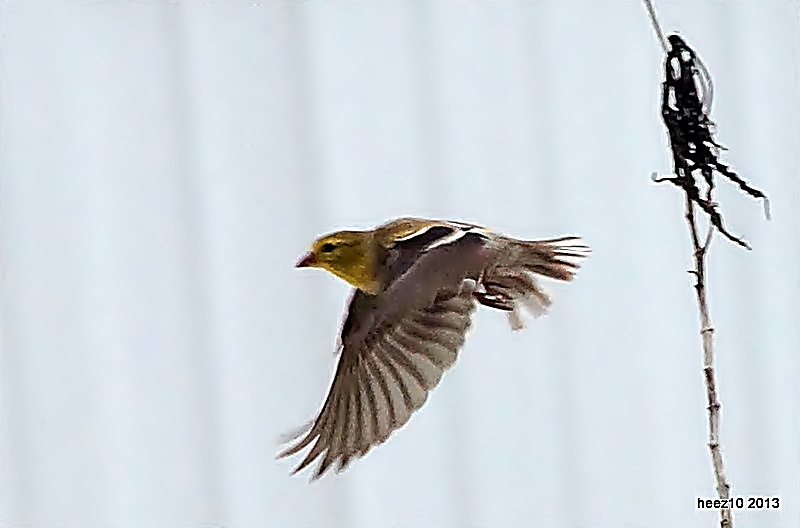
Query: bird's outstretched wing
395	347
377	387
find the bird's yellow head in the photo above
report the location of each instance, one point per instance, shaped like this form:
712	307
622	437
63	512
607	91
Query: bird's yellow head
350	255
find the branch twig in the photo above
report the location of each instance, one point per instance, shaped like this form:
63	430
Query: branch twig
707	334
656	26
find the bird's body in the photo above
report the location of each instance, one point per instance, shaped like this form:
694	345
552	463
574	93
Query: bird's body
417	283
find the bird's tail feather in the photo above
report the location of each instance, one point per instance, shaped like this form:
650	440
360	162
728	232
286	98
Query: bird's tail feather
557	258
511	284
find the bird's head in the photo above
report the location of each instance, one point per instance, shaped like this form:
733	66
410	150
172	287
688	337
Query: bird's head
349	255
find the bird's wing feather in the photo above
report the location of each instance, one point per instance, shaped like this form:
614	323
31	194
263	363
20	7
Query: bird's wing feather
395	347
377	387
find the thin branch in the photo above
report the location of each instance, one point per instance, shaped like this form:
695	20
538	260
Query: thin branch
707	335
656	26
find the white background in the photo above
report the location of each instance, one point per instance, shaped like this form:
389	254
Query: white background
164	164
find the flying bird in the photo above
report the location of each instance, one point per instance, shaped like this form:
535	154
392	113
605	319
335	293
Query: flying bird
417	283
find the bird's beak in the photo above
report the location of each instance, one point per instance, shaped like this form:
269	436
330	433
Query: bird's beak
308	260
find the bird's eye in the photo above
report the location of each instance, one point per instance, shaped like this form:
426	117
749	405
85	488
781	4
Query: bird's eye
327	247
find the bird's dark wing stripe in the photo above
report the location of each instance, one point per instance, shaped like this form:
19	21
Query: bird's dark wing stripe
385	358
316	450
321	430
328	425
413	345
343	422
414	329
396	387
439	335
429	345
339	441
335	438
323	419
384	390
399	356
427	349
404	253
370	408
423	238
300	444
352	430
428	374
446	320
447	335
359	423
311	435
443	306
397	391
450	344
417	394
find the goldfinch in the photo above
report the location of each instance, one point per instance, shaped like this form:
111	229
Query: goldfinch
417	283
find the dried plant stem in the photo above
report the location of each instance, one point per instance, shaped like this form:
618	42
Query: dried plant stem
651	11
707	334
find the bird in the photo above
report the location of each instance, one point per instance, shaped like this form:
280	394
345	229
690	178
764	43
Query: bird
416	285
